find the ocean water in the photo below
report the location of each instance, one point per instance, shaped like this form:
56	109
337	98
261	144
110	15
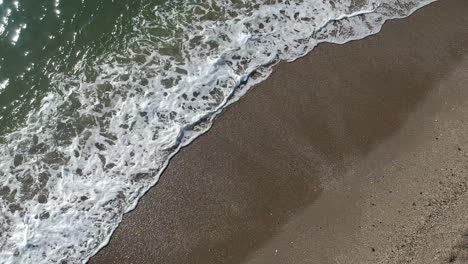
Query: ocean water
97	95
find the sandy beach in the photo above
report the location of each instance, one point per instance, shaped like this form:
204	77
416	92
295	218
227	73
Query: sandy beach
356	153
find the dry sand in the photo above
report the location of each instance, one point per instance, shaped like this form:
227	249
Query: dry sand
356	153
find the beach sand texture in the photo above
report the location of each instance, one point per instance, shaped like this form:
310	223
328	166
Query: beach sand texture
356	153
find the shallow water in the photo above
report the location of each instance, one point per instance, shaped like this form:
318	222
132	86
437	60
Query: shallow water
96	96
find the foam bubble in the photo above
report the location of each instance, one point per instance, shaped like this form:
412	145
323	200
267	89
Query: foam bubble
102	136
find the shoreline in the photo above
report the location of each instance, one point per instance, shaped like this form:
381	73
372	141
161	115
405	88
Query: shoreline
304	144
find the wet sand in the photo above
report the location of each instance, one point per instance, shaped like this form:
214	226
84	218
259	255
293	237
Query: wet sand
356	153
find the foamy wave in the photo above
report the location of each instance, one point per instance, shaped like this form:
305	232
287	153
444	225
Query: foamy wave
102	137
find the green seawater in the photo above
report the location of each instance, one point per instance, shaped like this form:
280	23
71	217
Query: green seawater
54	36
40	39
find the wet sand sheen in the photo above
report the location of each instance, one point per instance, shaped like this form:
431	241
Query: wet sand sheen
288	143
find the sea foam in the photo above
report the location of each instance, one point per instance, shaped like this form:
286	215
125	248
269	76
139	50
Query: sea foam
102	135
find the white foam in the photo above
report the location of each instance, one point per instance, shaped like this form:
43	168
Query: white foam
101	137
